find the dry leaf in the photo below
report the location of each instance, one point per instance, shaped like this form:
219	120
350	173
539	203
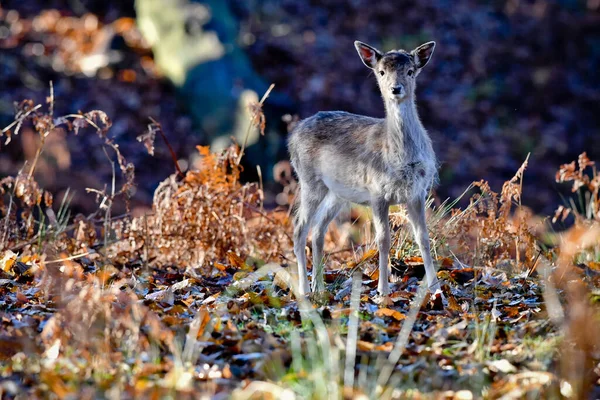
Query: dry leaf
365	346
388	312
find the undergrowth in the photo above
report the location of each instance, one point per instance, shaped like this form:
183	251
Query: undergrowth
198	295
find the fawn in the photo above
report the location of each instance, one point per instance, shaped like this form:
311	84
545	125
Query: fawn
341	157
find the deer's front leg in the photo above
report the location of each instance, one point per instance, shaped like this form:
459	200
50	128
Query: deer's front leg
382	235
416	214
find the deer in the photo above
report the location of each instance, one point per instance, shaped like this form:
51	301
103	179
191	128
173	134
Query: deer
341	158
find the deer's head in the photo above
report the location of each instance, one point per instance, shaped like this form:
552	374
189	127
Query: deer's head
396	70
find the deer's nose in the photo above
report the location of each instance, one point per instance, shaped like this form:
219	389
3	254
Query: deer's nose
397	90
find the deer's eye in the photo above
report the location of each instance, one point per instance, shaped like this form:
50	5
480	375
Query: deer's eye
382	73
410	72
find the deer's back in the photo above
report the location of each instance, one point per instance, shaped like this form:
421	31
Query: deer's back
339	132
352	156
340	149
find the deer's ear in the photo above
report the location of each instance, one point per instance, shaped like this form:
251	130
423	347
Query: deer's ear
369	55
423	53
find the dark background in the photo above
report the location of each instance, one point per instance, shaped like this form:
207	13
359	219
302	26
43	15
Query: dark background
507	78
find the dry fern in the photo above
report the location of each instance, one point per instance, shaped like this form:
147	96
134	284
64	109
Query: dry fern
208	214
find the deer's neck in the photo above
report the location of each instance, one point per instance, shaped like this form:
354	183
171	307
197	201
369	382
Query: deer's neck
406	135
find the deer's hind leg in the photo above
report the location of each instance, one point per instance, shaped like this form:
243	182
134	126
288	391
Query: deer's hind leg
328	209
416	215
307	203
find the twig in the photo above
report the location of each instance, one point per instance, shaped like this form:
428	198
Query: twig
40	149
173	155
110	198
260	183
74	257
6	221
251	123
535	263
521	180
20	120
52	99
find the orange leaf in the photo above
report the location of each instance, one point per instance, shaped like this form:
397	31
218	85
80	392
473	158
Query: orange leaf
204	317
453	304
401	294
375	274
511	312
172	320
227	372
368	255
387	346
413	260
365	346
447	262
7	261
388	312
55	383
594	265
220	267
237	261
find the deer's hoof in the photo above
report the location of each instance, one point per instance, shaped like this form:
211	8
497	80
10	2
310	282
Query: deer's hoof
304	288
383	289
383	301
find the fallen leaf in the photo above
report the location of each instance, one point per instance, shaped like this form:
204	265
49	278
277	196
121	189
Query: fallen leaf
401	294
463	395
387	346
51	354
211	299
220	267
502	365
375	274
55	383
7	262
341	312
369	254
365	346
463	275
453	304
446	262
413	261
237	262
594	265
388	312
